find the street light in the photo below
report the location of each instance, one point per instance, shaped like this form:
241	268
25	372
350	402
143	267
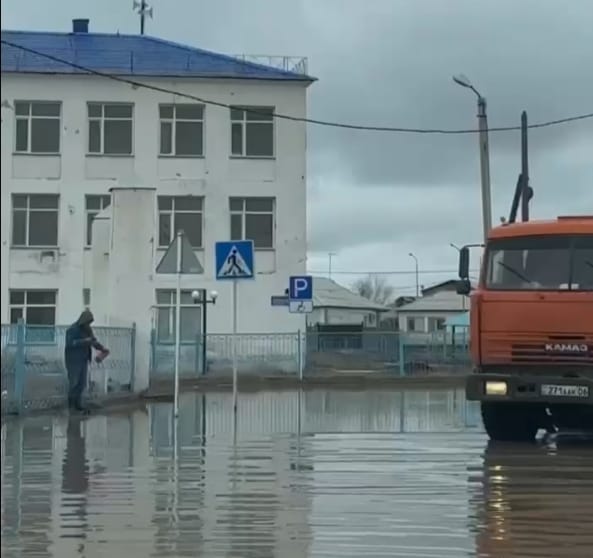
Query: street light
201	297
484	153
330	255
417	277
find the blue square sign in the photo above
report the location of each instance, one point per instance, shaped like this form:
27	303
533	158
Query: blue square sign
300	287
234	259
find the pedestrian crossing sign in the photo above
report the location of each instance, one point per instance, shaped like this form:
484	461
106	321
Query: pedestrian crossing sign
234	260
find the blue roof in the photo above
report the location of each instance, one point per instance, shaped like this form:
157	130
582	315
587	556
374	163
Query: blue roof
128	55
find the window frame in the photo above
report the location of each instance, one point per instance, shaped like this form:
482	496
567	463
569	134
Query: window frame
29	119
25	306
172	213
244	121
102	197
101	119
173	121
244	212
27	211
170	307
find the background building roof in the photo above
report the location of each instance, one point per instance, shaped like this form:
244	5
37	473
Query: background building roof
329	294
452	303
128	55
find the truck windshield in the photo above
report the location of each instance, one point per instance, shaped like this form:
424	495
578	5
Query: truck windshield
540	263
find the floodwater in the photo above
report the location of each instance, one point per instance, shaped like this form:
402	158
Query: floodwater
313	474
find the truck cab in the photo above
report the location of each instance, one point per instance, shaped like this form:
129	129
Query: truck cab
531	327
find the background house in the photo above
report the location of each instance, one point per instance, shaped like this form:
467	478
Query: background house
334	304
428	313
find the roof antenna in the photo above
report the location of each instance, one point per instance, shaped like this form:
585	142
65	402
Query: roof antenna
523	192
143	9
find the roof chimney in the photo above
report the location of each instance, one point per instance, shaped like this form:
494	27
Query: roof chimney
80	26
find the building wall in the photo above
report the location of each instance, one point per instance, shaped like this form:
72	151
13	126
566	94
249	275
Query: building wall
423	320
331	316
216	176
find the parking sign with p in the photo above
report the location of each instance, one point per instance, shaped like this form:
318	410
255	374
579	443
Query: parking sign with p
300	287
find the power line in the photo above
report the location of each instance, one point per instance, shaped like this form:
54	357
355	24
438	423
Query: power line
317	122
390	272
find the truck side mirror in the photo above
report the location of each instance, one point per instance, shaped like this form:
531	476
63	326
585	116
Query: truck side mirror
463	287
464	263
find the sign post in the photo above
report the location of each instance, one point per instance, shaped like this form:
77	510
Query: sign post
300	301
234	261
180	259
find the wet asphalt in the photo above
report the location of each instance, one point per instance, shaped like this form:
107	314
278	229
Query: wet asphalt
298	474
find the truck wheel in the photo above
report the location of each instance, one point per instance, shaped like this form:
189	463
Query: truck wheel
510	422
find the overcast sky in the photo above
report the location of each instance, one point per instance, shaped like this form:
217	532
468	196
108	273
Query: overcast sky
375	197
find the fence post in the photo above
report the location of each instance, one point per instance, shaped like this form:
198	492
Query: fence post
152	365
402	350
300	355
19	365
133	359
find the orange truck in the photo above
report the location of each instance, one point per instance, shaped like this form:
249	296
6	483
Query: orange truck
531	324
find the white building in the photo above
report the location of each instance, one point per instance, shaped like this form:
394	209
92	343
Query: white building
429	313
216	170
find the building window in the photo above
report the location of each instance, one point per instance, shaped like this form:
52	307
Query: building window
253	219
35	220
110	128
190	317
93	206
180	213
252	131
182	128
436	324
37	309
86	297
415	324
37	127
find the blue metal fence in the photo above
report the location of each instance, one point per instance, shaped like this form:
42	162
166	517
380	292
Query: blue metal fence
33	373
265	353
313	353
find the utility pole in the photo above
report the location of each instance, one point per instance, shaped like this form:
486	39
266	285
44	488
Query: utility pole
484	154
484	166
417	273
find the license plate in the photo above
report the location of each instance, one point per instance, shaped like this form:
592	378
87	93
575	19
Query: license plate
565	391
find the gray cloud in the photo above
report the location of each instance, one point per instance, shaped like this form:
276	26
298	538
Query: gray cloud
389	62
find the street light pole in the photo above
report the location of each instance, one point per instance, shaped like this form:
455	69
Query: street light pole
484	154
330	255
417	274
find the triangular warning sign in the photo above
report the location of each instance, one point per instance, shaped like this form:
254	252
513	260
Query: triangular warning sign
189	261
234	265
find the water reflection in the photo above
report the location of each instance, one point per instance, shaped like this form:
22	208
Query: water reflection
322	473
535	501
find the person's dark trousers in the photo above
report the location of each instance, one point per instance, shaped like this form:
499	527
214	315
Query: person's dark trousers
77	378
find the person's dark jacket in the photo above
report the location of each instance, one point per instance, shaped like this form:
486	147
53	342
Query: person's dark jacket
79	342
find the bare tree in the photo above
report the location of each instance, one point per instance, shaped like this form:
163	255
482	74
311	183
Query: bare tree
375	288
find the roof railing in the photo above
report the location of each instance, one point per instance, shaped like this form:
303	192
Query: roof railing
293	64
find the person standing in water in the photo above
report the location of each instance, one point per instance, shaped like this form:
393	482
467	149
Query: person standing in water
80	340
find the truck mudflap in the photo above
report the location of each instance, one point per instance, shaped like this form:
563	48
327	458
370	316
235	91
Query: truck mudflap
534	388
